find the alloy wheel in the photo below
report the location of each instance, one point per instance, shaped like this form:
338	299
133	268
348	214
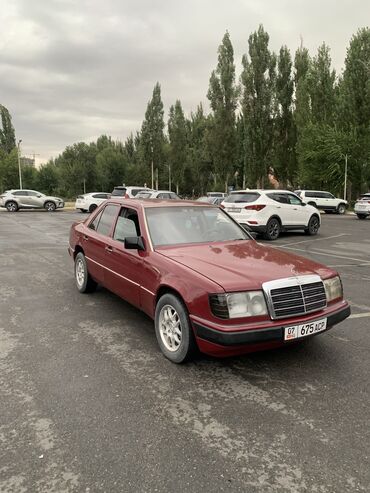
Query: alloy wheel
80	273
170	328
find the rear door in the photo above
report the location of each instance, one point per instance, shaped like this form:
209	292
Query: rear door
95	241
22	198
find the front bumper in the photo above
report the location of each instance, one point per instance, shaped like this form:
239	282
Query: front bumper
265	334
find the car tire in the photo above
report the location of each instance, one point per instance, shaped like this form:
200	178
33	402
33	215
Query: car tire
313	226
12	206
50	206
273	229
92	207
361	216
341	209
173	329
84	282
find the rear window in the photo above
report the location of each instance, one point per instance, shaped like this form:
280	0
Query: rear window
135	191
242	197
119	192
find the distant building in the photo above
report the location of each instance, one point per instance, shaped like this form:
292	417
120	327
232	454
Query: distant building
27	161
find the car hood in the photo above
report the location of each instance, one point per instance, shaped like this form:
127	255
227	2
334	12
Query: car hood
242	265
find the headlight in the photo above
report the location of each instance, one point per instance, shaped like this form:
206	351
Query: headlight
237	305
333	288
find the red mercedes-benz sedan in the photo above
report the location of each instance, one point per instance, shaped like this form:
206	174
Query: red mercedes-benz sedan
204	280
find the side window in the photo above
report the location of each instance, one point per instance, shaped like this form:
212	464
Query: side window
127	224
310	194
107	219
328	195
294	200
33	194
94	224
21	193
278	197
100	196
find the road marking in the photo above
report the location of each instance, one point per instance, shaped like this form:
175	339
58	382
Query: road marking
360	315
316	239
361	261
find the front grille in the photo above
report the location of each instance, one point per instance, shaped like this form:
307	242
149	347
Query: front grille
295	296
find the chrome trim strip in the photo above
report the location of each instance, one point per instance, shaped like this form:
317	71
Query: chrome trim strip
112	271
147	290
70	246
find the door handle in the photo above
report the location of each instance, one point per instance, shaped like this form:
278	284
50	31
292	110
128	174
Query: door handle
108	249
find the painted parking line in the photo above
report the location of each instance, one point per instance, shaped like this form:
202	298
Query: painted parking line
315	252
285	245
360	315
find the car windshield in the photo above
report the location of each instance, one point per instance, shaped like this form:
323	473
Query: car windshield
118	192
242	197
186	225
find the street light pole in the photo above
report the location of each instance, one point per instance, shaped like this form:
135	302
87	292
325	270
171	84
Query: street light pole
169	178
345	176
19	164
151	148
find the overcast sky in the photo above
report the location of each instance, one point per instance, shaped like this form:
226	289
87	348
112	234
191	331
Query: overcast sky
71	70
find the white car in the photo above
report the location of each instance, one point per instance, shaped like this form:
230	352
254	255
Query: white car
158	194
13	200
129	192
90	201
270	212
362	206
323	200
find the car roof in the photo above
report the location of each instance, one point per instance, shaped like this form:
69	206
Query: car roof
261	190
146	203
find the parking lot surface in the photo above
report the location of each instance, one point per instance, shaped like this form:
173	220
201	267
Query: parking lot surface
88	403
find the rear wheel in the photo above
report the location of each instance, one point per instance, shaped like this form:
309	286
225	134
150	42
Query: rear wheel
341	209
361	216
273	229
84	282
12	206
313	226
173	329
50	206
92	207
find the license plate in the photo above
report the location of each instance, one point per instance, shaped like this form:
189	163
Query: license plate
233	209
361	207
304	330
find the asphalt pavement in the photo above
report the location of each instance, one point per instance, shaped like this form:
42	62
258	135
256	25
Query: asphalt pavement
89	404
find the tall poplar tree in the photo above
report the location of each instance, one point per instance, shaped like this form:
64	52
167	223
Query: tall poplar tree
223	96
258	105
152	136
178	150
7	133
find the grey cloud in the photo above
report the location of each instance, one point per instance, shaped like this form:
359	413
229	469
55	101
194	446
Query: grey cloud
71	70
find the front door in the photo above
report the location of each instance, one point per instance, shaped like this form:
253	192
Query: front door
124	273
298	213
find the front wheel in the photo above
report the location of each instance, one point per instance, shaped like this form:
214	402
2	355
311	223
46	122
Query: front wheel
361	216
273	229
11	206
50	206
313	226
341	209
84	282
92	207
173	330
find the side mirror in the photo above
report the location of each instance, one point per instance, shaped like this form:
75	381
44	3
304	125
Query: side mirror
303	203
134	243
39	196
253	234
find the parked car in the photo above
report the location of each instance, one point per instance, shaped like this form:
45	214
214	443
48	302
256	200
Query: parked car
13	200
269	212
158	194
216	194
205	198
362	206
127	192
202	278
90	201
325	201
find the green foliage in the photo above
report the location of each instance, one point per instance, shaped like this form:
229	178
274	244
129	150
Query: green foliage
223	96
258	106
178	140
7	134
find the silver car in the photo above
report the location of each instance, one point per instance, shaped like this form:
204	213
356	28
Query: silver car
13	200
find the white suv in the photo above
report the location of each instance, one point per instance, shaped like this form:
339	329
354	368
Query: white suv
323	200
271	211
90	201
362	206
129	192
13	200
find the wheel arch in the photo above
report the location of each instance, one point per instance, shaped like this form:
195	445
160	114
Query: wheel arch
78	249
52	201
166	289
